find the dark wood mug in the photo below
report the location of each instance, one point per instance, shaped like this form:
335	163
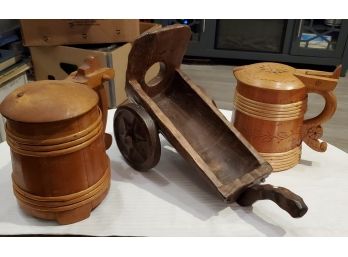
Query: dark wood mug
173	105
270	103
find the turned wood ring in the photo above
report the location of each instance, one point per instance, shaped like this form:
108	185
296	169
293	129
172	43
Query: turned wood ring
137	136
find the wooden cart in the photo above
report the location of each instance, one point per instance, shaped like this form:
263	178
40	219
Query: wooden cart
173	105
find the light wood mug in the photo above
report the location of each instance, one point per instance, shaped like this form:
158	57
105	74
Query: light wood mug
55	130
270	103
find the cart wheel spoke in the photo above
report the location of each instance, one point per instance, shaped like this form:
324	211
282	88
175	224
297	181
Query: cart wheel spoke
121	128
136	155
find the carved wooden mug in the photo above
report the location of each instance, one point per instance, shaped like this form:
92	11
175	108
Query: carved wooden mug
55	130
270	102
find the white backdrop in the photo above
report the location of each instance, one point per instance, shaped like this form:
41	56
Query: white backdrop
173	200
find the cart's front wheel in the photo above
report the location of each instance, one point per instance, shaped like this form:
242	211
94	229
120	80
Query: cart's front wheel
137	136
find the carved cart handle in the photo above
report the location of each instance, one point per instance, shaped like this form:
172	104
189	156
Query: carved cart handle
283	197
322	83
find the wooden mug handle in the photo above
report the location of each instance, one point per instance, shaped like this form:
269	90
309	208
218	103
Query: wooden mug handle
322	83
284	198
93	75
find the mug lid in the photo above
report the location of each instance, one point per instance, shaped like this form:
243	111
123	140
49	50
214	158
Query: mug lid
48	101
268	75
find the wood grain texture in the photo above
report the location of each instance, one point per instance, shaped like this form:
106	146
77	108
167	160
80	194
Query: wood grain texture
220	84
60	168
273	100
283	197
137	136
92	74
188	118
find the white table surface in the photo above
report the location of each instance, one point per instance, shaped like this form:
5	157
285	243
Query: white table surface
173	200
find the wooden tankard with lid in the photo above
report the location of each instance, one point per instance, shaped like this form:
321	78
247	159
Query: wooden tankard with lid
270	102
55	130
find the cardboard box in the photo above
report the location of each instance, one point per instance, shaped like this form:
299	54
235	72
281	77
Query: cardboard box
69	32
59	61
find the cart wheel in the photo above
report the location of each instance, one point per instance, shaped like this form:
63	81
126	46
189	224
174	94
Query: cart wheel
137	136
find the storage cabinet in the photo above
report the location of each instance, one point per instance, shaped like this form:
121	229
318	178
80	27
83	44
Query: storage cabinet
322	38
315	42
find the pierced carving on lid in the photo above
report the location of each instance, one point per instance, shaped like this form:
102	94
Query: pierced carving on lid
268	75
